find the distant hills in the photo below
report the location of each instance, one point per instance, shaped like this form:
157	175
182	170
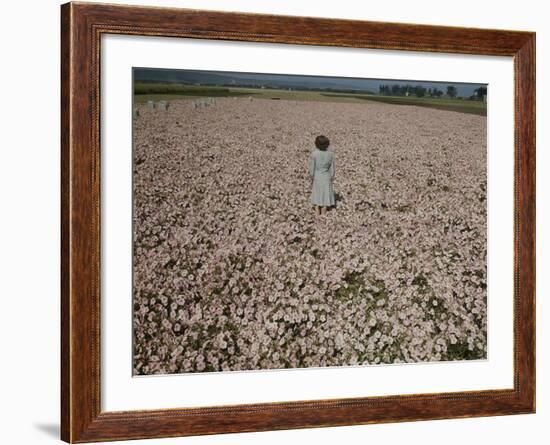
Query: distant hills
280	81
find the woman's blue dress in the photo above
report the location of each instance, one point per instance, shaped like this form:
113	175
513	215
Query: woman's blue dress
321	168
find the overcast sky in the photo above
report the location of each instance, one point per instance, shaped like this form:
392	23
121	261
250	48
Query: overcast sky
289	81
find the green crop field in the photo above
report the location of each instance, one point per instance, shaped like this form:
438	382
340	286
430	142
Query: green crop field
463	106
144	91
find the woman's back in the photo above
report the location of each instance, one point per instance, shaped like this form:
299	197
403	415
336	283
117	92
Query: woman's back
322	160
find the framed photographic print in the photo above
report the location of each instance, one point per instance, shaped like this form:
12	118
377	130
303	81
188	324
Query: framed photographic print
274	222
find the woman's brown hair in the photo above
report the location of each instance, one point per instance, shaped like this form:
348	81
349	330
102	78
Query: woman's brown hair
322	142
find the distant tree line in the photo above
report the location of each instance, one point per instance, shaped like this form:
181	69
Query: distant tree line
415	90
479	93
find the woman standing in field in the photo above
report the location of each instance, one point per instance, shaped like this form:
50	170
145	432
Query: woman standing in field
321	169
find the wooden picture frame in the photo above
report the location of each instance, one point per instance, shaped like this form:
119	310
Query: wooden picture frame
82	25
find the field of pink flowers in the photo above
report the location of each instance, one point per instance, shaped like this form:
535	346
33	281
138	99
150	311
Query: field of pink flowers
234	271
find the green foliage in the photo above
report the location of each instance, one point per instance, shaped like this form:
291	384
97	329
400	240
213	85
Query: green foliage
458	105
451	91
460	351
354	281
141	88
